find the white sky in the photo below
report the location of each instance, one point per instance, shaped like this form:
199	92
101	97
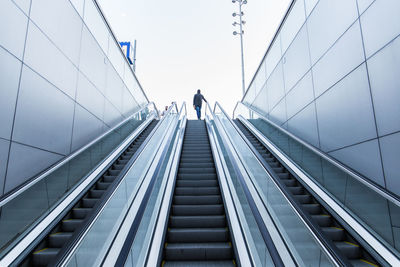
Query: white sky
185	45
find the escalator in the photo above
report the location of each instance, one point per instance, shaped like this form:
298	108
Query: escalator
67	229
350	250
198	233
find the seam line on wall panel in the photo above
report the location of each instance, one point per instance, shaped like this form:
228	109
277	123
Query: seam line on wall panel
312	67
16	101
44	78
76	89
312	78
371	98
38	148
317	60
107	57
17	6
77	66
351	145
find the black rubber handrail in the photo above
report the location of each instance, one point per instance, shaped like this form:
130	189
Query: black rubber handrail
276	258
296	204
78	233
335	253
98	206
124	253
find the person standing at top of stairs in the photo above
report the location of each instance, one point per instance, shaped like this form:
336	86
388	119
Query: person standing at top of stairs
197	101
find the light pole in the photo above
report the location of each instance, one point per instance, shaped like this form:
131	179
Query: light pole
241	32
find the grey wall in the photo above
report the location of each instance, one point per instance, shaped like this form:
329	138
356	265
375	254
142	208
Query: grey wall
331	77
63	82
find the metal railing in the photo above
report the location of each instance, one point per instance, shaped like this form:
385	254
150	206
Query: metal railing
22	188
381	191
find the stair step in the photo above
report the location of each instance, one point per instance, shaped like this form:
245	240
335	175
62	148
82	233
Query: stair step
312	208
228	263
198	251
197	183
198	235
89	202
70	225
350	250
322	220
197	165
196	191
197	200
102	185
95	193
188	210
80	213
108	178
196	170
197	221
296	190
334	233
57	240
44	256
303	199
197	176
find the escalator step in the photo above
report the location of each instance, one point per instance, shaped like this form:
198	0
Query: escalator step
196	170
80	213
118	166
289	182
197	160
352	251
334	233
313	208
122	161
285	176
198	235
199	200
296	190
89	202
227	263
196	191
303	199
102	186
323	220
279	169
57	240
113	172
198	251
70	225
197	221
197	210
196	165
197	183
109	178
44	256
95	193
200	176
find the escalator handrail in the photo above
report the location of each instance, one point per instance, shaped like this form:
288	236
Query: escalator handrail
325	244
371	185
78	235
311	225
124	253
276	258
31	182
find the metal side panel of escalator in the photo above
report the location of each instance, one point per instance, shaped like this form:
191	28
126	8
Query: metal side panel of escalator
198	233
50	248
351	250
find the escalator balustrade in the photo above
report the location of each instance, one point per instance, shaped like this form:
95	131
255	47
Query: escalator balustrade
49	248
330	227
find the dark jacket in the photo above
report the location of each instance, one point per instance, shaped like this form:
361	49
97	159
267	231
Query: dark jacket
197	100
